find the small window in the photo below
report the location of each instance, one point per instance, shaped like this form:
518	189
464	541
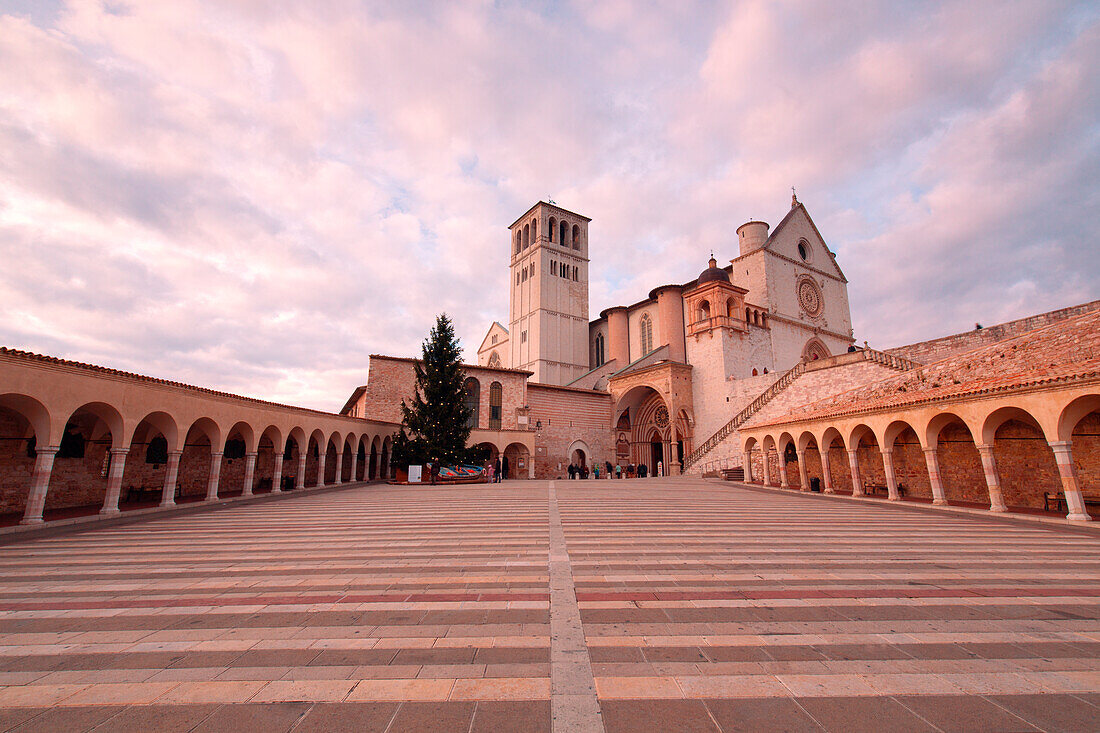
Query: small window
473	399
575	273
496	395
646	327
576	237
599	350
523	337
804	250
550	231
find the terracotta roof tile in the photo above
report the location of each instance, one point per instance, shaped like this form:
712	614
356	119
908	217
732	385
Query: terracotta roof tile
1067	351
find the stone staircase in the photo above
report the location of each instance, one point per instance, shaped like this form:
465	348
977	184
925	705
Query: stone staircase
891	361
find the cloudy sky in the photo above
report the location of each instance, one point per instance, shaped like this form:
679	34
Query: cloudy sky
255	195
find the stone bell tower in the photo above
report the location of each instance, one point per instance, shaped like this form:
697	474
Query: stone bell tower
548	303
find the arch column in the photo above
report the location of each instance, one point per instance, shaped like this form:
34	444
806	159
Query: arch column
1071	487
354	462
853	465
767	468
826	472
40	484
114	480
992	480
171	474
932	459
300	480
215	476
803	475
891	478
277	474
249	473
746	461
322	457
338	477
783	482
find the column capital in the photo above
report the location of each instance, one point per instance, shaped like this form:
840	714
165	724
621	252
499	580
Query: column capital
120	451
984	447
1060	445
176	453
886	451
852	452
932	449
252	454
47	449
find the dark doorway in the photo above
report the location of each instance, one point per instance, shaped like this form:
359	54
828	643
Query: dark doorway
658	449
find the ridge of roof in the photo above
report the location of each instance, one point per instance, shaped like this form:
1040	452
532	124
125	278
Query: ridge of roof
32	356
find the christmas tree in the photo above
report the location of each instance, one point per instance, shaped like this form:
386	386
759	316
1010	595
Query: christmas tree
435	426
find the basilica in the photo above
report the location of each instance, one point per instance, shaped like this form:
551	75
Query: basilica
748	372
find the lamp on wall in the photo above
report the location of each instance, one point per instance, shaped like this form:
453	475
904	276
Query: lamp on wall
538	426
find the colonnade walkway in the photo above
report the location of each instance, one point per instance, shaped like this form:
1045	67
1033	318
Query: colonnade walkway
649	604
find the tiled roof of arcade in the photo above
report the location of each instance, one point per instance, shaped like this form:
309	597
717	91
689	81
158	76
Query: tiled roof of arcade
65	363
1068	351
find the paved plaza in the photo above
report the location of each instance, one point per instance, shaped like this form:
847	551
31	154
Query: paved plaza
649	605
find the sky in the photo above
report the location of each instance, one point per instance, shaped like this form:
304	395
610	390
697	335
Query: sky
255	196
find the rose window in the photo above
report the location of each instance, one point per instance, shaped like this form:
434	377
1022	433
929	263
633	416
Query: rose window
809	297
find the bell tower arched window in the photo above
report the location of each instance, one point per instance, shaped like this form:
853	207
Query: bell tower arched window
599	350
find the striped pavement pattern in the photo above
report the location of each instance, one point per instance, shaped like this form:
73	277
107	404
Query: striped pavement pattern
700	605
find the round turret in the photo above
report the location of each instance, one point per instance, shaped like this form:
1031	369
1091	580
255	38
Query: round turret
752	235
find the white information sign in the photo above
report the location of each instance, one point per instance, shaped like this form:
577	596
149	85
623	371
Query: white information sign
414	474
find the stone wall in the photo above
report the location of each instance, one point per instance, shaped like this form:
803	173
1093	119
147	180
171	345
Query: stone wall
927	352
567	416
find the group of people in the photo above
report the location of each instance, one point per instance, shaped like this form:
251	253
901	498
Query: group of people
610	471
497	470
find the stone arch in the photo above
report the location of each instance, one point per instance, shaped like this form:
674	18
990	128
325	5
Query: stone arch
563	231
362	467
333	446
869	472
950	441
316	452
347	466
202	442
835	469
298	435
494	360
815	349
550	229
1073	413
375	450
576	237
384	458
1024	463
907	456
1079	422
24	431
270	446
526	236
518	460
579	449
704	311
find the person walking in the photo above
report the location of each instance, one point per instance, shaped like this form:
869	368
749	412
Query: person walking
610	471
596	471
489	473
618	470
572	472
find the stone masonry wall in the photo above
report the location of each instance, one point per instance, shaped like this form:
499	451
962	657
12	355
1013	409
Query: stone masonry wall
567	416
927	352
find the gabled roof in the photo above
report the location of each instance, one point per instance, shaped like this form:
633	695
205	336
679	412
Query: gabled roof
539	203
494	325
794	211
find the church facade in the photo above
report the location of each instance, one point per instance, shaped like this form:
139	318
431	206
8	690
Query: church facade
678	362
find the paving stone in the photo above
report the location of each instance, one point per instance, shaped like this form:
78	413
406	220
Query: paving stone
668	716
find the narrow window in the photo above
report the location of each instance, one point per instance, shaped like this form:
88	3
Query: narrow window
599	349
551	230
576	237
646	327
473	400
564	233
496	394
